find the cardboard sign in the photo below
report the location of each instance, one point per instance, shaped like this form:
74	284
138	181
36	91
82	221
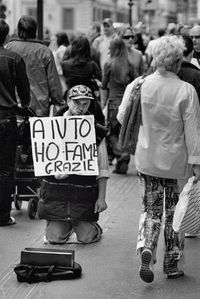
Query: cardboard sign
64	145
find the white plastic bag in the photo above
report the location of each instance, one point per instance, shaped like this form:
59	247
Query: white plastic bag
187	212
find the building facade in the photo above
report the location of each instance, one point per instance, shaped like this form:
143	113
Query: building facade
69	15
76	15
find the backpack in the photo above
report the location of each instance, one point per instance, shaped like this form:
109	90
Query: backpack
129	131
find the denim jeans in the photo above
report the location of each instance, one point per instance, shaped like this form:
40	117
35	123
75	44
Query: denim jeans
58	232
8	143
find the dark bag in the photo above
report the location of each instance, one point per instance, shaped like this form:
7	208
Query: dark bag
129	131
31	273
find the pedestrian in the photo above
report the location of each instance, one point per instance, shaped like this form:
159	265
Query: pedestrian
93	33
102	43
72	37
81	69
62	44
168	150
13	77
172	29
40	65
195	35
135	56
118	73
73	202
140	37
151	45
188	71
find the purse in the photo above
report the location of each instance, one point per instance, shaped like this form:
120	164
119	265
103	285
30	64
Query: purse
129	131
187	211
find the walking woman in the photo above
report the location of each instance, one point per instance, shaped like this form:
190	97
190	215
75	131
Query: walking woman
62	44
135	56
118	72
81	69
168	150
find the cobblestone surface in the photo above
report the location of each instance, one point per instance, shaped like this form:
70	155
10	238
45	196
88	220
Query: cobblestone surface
110	267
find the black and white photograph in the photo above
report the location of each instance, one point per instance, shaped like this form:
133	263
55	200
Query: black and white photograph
99	149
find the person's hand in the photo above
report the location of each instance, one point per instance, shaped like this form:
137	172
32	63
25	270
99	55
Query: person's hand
100	205
196	171
61	176
99	84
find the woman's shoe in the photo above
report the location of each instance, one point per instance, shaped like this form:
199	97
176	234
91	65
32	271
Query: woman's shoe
146	272
175	275
191	235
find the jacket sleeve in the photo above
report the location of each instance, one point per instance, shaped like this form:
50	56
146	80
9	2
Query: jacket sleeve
97	71
141	68
191	118
22	82
103	160
96	43
55	89
196	84
106	75
65	69
126	96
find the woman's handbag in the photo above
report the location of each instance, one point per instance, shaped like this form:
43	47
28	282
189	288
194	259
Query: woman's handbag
187	212
129	131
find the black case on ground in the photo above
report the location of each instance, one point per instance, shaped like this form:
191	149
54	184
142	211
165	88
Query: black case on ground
47	256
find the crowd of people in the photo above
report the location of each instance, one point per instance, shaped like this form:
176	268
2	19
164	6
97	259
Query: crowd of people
95	74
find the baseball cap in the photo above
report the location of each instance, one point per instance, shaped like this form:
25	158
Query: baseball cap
108	21
80	92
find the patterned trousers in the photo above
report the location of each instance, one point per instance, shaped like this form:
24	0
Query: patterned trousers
159	198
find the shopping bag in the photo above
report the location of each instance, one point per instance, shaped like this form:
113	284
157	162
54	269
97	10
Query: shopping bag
187	212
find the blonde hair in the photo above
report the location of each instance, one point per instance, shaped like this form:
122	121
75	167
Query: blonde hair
168	52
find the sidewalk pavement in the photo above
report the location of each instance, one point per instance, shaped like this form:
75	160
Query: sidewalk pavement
110	267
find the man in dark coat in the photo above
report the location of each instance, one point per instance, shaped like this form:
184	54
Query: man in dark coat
12	77
189	72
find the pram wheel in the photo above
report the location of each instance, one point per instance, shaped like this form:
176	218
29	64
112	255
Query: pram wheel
32	207
17	202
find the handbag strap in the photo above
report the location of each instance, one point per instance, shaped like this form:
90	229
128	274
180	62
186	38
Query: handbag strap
137	87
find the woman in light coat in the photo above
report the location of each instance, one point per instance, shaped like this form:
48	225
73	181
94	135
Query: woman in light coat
168	150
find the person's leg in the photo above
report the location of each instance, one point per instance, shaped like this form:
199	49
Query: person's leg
114	150
123	158
174	242
8	143
150	223
122	164
87	232
58	232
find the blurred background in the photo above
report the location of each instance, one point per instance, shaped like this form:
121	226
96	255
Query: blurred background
76	15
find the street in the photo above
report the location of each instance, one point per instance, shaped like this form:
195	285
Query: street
110	267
